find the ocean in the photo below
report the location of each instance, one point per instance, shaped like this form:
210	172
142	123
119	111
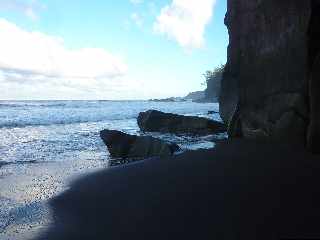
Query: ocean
46	144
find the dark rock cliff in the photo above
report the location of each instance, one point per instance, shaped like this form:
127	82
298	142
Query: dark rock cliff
212	91
195	96
314	77
265	88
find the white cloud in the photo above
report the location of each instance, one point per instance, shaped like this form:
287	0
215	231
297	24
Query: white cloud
34	56
185	21
136	1
29	9
137	19
29	12
152	8
34	65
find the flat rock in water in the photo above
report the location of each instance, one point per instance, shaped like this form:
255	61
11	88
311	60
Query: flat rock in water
122	145
156	121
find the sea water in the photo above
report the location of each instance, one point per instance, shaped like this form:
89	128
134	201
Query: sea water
35	131
44	144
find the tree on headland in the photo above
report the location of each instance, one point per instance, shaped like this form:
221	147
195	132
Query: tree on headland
213	82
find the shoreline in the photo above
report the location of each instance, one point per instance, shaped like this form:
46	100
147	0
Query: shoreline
26	189
52	152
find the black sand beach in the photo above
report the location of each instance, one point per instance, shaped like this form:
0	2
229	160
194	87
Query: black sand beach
239	190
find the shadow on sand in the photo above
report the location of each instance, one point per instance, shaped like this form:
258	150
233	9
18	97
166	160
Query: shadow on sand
239	190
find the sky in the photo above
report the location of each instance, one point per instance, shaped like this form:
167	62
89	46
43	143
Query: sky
107	49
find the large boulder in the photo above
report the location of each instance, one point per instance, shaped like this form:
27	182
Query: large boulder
264	92
122	145
156	121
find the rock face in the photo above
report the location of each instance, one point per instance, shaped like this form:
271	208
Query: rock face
212	91
314	84
195	96
122	145
156	121
264	91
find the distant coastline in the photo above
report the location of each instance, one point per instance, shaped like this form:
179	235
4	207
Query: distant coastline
197	97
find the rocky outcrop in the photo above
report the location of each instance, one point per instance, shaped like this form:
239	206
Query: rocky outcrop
171	99
156	121
195	96
228	98
264	91
212	92
314	85
122	145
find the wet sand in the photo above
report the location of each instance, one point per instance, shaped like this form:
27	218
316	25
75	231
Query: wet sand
239	190
25	189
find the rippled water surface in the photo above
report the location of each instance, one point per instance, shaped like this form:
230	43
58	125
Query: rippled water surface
56	130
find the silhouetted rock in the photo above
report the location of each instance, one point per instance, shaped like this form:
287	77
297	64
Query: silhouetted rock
156	121
211	112
213	81
314	127
264	89
171	99
122	145
228	98
195	96
314	77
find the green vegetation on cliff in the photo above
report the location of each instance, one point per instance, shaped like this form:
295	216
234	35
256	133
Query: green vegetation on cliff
213	83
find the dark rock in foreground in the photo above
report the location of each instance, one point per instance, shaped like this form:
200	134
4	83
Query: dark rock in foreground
156	121
122	145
